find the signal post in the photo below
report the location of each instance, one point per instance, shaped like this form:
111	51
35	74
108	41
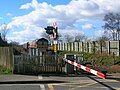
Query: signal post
52	31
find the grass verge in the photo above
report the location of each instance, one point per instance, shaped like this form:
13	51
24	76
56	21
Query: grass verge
5	70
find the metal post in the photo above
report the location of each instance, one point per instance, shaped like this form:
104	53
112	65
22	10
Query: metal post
55	51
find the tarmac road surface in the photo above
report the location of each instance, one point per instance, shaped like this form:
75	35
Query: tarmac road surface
53	82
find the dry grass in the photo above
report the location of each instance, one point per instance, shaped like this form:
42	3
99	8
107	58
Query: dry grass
114	69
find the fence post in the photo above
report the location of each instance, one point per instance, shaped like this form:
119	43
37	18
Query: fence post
101	47
109	47
11	58
93	46
78	46
70	46
82	47
119	48
87	47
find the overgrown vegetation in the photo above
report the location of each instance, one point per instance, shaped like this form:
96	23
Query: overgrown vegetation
99	61
110	63
4	70
62	53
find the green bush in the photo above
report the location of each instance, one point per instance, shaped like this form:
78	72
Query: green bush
4	70
62	53
99	61
104	61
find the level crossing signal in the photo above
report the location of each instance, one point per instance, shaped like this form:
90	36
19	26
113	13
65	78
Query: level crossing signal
52	31
49	30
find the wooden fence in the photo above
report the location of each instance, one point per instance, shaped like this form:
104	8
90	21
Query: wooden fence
26	64
109	47
6	56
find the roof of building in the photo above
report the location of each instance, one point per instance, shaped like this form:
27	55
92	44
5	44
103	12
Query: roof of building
41	39
37	42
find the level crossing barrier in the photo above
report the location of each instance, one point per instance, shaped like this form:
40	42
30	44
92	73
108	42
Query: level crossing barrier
87	69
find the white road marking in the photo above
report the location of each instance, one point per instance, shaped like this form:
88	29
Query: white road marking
42	87
117	88
40	77
50	86
86	85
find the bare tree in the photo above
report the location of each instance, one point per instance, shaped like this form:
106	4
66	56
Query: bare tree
4	30
101	40
112	23
79	37
13	43
68	38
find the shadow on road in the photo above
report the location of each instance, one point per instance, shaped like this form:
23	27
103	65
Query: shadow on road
114	78
32	82
109	87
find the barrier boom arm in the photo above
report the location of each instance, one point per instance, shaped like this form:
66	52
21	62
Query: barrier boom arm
87	69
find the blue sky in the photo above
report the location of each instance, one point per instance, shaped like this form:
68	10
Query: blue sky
13	6
26	19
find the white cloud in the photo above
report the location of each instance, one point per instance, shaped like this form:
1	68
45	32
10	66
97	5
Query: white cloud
70	31
106	6
33	4
65	15
28	34
87	26
8	14
26	6
4	27
99	33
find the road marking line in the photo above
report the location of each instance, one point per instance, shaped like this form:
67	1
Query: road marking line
42	87
64	84
86	85
40	77
117	88
106	80
50	86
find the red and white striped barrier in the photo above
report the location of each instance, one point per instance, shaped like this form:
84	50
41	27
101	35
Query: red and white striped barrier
87	69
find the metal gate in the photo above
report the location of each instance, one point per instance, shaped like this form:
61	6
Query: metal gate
26	64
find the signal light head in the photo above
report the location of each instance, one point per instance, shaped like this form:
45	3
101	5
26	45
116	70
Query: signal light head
49	29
